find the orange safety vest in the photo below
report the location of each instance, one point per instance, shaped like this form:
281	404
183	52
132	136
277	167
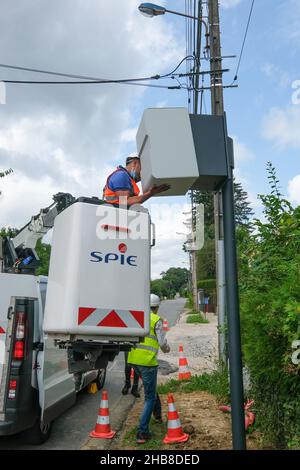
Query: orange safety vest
110	196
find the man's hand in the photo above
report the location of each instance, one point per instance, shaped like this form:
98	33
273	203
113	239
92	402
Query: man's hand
159	189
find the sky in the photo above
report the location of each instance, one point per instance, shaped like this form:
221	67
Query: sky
69	138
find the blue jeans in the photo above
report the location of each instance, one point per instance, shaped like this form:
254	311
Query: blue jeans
152	401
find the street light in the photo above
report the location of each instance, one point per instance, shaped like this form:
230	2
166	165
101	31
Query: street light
150	9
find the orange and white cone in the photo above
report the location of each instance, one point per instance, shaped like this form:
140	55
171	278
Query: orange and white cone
132	373
184	372
175	432
102	429
166	325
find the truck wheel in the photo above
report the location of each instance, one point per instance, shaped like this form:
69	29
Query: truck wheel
38	434
100	380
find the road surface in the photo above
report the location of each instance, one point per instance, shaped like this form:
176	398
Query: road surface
70	431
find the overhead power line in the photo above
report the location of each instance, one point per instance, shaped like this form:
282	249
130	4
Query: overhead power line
94	80
244	41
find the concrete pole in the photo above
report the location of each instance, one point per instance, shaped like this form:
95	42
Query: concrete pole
217	108
232	298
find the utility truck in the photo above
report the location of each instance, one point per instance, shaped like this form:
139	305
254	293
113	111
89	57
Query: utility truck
58	333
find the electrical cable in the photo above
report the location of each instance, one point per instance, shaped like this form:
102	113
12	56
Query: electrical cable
189	56
244	42
95	82
90	80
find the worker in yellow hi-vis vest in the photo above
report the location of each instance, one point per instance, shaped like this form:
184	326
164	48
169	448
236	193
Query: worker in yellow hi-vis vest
144	359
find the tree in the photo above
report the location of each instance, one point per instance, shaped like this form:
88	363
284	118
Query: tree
5	172
8	232
173	280
177	278
243	210
160	288
206	257
44	252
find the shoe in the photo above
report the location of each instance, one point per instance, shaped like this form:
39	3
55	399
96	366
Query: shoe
125	389
142	437
135	392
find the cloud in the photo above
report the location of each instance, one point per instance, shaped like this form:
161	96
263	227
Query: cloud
294	189
290	15
275	73
68	138
168	219
128	135
242	153
281	126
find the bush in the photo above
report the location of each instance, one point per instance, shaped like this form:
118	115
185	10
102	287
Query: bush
189	301
269	259
196	318
207	284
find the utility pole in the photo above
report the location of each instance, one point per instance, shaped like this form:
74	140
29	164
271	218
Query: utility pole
227	247
194	280
193	257
195	110
217	108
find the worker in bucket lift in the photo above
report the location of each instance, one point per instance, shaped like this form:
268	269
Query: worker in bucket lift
123	182
144	359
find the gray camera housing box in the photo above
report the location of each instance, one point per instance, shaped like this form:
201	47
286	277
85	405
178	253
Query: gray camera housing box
214	151
183	150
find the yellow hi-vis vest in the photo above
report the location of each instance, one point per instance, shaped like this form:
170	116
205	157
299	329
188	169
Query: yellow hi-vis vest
144	354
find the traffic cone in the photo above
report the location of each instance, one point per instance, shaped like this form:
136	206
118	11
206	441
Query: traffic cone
184	372
132	373
166	325
175	432
102	428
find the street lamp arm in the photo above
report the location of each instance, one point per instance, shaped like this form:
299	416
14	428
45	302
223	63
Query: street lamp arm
193	18
151	9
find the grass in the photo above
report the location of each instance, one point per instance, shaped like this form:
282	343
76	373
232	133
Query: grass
158	430
196	318
215	383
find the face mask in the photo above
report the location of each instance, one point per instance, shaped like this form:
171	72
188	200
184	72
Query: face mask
133	174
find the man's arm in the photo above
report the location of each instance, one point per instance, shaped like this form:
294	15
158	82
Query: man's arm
142	197
161	337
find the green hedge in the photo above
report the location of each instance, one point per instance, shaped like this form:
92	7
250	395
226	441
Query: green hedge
207	284
269	266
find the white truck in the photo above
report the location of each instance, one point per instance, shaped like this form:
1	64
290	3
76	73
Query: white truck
57	334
